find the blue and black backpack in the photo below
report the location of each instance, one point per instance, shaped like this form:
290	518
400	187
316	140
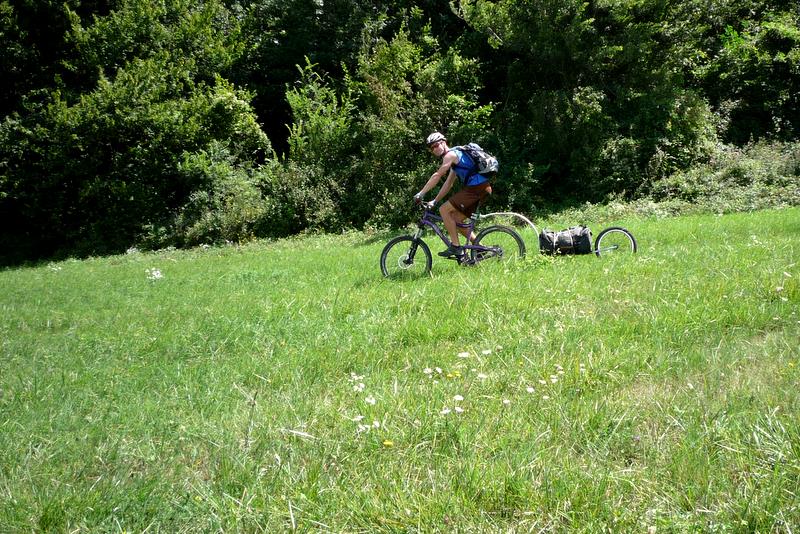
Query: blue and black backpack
482	162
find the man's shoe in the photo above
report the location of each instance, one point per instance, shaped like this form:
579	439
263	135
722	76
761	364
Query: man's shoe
452	250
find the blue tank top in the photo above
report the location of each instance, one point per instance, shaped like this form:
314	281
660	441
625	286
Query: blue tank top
464	169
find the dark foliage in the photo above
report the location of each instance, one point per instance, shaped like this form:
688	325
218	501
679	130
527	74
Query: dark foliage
153	122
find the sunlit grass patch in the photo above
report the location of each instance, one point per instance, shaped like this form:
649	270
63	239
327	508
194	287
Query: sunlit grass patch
287	384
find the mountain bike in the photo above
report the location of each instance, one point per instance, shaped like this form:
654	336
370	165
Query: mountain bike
409	256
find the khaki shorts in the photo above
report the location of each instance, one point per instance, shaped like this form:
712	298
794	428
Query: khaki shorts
466	201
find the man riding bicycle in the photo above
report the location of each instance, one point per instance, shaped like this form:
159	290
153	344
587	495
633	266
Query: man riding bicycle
474	188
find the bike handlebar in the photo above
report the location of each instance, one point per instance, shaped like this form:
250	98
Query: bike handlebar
422	204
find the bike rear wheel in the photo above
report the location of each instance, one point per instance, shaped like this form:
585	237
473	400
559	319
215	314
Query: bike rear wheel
406	257
504	244
614	240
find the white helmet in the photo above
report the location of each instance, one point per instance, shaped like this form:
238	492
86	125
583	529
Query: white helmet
435	137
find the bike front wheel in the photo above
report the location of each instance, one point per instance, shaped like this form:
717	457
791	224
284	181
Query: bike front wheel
406	257
614	240
501	243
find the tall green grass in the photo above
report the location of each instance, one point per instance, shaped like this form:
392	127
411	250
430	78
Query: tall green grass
286	385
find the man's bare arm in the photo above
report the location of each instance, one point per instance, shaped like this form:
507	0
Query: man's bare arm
447	164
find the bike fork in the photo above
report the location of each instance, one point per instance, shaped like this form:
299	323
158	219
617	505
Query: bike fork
414	244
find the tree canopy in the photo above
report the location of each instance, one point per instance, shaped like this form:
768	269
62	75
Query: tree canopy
170	122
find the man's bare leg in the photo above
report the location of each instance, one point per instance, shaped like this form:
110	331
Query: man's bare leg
451	217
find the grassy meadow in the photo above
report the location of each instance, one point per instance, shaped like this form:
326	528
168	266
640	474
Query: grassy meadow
286	385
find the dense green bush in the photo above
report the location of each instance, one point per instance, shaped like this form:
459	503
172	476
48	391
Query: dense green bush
755	77
357	156
596	105
205	32
239	203
229	208
88	177
406	88
755	176
301	197
145	120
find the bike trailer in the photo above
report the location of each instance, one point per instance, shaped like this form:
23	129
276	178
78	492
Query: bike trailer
573	240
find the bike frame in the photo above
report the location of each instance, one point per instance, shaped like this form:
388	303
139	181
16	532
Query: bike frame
430	220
